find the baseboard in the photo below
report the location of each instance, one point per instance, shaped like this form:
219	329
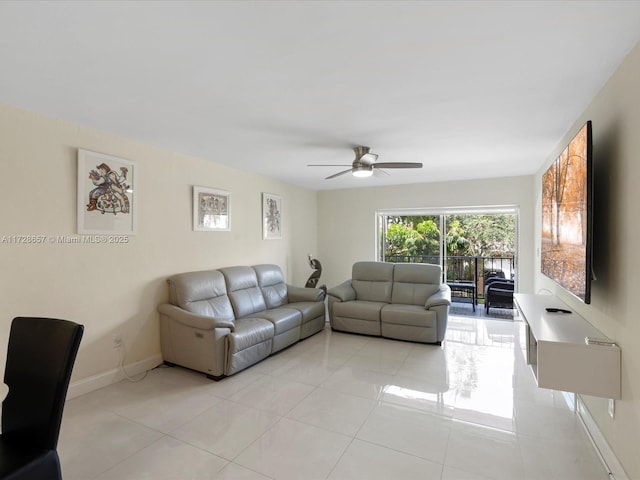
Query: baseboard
611	462
105	379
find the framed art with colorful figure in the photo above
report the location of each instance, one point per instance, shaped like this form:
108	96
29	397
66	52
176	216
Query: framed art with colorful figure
107	194
271	216
211	210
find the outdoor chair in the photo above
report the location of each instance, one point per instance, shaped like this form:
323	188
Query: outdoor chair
498	292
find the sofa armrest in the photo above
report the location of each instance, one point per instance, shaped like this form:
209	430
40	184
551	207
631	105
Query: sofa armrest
304	294
193	320
343	292
441	297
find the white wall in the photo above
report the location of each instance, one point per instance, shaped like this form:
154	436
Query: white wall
346	218
615	116
117	288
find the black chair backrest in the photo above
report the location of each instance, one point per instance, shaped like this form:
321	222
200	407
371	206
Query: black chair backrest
40	358
493	274
500	283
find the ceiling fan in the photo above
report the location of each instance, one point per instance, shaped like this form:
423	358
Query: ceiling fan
365	163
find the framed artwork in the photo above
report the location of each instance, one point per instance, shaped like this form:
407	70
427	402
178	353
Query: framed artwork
107	194
271	216
211	210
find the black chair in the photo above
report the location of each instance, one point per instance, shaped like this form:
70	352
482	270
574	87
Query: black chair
40	358
498	292
489	274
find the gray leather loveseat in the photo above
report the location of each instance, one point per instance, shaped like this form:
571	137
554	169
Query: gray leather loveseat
222	321
405	301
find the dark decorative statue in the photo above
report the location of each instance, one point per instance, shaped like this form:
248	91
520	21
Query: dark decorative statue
315	276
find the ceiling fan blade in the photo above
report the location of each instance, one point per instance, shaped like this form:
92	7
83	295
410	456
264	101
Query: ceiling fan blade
338	174
379	171
397	165
325	165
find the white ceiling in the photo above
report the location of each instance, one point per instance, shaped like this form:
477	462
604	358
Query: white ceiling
471	89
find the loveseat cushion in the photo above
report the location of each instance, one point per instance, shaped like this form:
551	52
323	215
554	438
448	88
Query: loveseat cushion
414	283
412	315
203	293
372	281
242	288
358	309
357	316
412	323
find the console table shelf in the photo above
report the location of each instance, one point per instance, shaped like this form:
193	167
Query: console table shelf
558	354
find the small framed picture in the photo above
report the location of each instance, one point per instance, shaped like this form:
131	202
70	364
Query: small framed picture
107	194
211	210
271	216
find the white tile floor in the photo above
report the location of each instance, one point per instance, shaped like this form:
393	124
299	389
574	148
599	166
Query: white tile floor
339	406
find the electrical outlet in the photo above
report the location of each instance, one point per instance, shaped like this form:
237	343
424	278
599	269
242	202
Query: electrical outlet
117	340
612	407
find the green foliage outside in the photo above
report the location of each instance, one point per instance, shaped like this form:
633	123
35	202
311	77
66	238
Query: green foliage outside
466	235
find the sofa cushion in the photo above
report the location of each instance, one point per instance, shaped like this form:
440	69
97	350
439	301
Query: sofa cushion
358	309
412	315
203	293
249	332
309	310
242	288
283	319
413	283
248	344
271	282
372	281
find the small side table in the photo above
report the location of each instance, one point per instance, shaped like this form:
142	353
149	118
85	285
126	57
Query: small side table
464	292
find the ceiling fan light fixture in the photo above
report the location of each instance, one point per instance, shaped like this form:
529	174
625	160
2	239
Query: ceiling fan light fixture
361	171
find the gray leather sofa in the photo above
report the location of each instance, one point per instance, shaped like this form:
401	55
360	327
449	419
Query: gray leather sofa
405	301
222	321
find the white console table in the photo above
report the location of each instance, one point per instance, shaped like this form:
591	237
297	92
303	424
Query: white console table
558	354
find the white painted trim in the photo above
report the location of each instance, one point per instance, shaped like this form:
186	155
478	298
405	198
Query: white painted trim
110	377
608	457
470	210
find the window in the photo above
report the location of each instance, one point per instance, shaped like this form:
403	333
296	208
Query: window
467	243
